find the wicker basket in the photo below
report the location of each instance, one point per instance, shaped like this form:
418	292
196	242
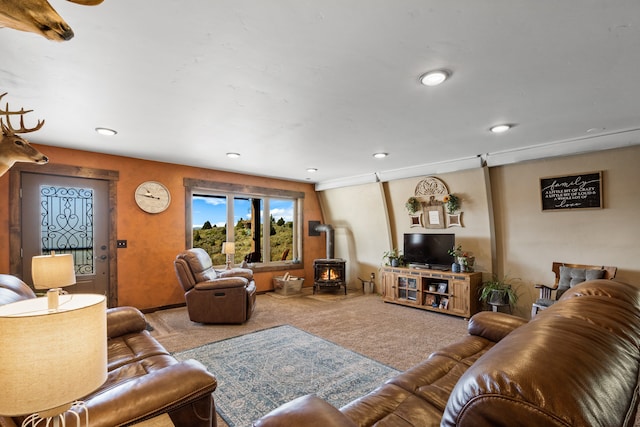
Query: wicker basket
287	287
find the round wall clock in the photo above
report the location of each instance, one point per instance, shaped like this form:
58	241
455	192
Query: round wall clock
152	197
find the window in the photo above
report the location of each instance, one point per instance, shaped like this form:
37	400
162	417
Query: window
263	223
281	214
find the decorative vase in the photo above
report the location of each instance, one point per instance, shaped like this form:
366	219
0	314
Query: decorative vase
455	267
394	262
462	262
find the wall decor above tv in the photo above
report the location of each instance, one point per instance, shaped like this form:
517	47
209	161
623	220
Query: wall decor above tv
433	206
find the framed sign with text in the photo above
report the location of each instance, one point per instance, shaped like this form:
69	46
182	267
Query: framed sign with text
580	191
435	216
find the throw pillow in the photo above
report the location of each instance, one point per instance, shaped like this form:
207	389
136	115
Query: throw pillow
569	277
594	274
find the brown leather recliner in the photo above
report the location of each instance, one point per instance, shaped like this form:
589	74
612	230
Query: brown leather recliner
144	380
214	296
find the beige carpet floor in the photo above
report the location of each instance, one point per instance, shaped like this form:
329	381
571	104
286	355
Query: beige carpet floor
362	323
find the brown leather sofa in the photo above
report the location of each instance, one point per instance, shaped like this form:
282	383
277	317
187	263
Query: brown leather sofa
214	296
575	364
143	379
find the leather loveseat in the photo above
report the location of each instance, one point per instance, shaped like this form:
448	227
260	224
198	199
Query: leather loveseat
143	379
575	364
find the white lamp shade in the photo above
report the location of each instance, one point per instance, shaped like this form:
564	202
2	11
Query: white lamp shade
50	359
53	271
229	248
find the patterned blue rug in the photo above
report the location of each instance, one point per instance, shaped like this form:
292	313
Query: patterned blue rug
262	370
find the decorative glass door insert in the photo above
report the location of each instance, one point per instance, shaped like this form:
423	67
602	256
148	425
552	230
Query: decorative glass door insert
67	224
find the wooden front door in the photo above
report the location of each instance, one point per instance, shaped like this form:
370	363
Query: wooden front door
69	214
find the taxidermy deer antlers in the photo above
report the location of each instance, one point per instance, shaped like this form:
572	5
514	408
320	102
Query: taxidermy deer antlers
14	148
37	16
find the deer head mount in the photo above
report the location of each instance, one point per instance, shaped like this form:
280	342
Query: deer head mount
14	148
37	16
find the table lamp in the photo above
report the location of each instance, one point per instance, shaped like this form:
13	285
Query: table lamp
53	272
49	359
229	248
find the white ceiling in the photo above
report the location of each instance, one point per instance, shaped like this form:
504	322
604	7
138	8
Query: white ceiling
294	84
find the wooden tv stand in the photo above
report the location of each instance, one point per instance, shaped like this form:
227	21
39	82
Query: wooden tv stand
433	290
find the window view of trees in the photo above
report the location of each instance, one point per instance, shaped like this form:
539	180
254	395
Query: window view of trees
280	230
248	231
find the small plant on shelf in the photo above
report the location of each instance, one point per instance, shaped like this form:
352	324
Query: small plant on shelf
500	291
464	259
456	251
452	203
394	258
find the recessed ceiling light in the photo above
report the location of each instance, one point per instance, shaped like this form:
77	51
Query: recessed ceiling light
106	131
233	155
435	77
380	155
312	170
500	128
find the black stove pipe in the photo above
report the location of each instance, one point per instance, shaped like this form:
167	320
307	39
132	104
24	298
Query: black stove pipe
328	229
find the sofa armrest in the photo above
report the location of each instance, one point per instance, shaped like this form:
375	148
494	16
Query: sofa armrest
150	395
493	325
124	320
247	273
308	411
223	283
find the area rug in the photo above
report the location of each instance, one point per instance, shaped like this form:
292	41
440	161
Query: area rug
260	371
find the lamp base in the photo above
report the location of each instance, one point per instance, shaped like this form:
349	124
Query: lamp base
53	298
56	417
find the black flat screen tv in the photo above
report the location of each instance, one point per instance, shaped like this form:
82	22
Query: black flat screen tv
429	250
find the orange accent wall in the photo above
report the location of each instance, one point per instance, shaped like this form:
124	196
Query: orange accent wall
146	278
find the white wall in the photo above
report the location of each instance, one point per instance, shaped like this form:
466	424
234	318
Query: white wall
529	240
470	187
359	217
371	219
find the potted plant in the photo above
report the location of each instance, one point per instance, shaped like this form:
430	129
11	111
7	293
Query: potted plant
413	205
463	259
451	202
456	251
394	258
499	291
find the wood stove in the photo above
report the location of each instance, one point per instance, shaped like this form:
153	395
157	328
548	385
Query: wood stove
329	273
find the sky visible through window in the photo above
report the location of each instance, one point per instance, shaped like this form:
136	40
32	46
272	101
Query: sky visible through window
214	210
